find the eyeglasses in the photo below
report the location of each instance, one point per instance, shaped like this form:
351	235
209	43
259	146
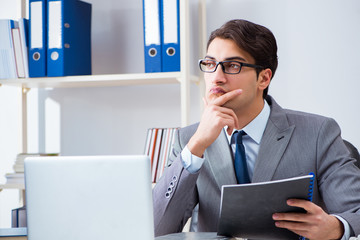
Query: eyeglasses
228	67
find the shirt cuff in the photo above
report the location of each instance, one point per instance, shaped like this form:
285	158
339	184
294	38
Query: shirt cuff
191	162
346	235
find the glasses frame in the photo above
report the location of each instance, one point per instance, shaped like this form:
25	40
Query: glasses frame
242	64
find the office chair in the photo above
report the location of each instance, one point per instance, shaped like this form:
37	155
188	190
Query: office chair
354	153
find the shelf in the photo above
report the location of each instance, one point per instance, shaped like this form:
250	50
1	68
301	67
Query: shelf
105	80
12	186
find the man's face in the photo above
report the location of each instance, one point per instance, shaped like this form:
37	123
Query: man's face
219	83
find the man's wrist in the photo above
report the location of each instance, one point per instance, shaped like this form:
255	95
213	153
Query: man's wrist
345	227
195	148
191	162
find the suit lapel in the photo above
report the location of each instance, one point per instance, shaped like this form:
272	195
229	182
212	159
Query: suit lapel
273	144
276	137
271	150
220	161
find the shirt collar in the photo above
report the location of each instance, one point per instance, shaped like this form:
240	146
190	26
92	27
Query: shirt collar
255	129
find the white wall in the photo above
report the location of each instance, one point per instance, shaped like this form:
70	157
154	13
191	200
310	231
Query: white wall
318	63
318	42
317	71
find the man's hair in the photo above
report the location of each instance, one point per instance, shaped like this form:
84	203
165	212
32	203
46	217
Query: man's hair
254	39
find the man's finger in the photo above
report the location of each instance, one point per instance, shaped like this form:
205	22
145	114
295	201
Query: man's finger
204	101
305	204
226	97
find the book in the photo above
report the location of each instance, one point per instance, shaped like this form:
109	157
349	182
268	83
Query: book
246	209
19	162
7	54
15	178
158	145
13	233
18	217
18	52
157	149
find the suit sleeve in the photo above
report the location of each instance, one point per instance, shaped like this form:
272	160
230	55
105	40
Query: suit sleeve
338	176
174	195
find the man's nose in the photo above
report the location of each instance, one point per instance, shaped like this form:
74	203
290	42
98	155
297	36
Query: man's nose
219	76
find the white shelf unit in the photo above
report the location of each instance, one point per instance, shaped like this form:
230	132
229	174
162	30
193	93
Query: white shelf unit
183	77
105	80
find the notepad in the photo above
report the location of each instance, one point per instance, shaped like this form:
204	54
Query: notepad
246	209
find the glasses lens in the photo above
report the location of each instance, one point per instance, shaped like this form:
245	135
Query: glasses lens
232	67
207	65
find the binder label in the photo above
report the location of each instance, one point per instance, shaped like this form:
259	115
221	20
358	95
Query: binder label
152	22
36	25
55	27
170	21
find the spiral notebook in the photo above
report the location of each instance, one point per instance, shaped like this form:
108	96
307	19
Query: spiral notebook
246	209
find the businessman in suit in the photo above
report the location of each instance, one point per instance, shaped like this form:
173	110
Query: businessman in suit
241	60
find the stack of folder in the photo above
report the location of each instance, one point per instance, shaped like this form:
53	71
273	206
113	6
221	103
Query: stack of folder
161	35
59	38
158	147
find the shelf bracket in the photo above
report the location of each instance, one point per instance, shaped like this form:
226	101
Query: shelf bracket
24	92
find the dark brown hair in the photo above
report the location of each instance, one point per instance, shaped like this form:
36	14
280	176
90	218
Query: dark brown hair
254	39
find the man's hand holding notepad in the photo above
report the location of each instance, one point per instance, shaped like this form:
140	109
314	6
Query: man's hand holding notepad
246	209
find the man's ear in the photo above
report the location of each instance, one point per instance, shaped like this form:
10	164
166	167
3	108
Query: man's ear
264	78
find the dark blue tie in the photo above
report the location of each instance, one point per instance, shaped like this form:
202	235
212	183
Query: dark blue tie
240	165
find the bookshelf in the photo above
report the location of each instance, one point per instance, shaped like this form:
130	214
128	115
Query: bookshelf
182	78
105	80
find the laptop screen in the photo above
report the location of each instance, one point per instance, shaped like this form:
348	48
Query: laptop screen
89	197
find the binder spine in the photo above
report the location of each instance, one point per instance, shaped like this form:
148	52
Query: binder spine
310	194
55	52
152	35
170	35
37	39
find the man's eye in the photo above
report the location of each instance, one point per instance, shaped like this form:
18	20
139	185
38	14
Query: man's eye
234	65
209	64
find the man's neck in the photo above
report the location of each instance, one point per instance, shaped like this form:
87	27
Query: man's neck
245	117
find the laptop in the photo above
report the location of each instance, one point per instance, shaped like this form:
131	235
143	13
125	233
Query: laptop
89	198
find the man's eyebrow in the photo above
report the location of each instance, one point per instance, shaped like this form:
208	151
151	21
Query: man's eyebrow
229	58
209	57
236	58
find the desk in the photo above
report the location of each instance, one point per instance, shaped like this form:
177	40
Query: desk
20	234
194	236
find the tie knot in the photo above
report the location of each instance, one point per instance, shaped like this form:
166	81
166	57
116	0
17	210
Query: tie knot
237	136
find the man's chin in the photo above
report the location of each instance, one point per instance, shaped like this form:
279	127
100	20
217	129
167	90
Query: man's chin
214	96
229	105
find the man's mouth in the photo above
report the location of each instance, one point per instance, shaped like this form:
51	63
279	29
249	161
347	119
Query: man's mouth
217	91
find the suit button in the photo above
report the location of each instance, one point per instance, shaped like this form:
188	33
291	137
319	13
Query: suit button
174	178
167	195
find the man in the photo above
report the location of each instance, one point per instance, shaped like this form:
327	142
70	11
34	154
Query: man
240	62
